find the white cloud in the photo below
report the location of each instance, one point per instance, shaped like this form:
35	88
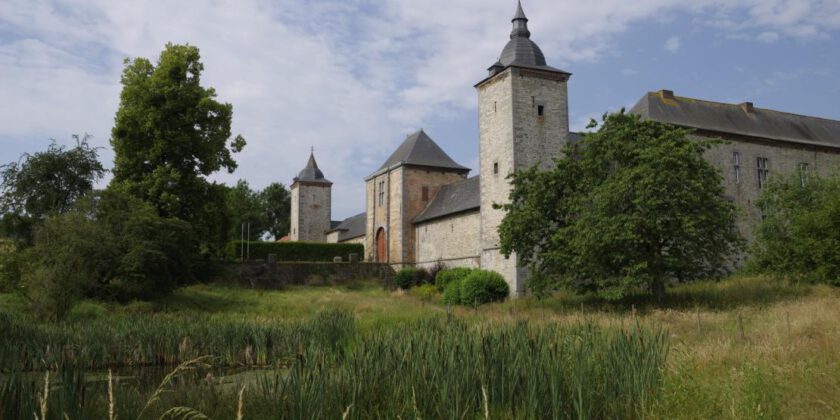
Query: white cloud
672	45
349	77
768	37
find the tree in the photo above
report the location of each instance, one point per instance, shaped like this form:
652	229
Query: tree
246	207
631	206
45	183
277	202
801	229
170	133
111	246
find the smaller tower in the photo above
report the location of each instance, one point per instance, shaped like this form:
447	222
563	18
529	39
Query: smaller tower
311	204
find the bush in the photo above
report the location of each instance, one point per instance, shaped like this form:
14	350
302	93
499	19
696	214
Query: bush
87	311
405	278
452	293
426	292
422	276
800	230
9	267
444	277
295	251
483	286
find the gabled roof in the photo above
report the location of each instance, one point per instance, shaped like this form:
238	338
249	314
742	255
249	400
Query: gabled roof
351	227
419	149
459	197
742	119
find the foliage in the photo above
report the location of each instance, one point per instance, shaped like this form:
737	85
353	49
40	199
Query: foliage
799	235
276	202
427	368
632	205
9	267
405	278
169	134
422	276
452	292
46	182
483	286
111	246
426	292
449	275
245	207
294	251
86	310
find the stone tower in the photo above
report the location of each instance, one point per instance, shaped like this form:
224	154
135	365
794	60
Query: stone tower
523	121
311	203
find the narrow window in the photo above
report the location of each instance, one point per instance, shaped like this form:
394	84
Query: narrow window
425	193
381	193
736	164
494	106
495	168
803	174
763	165
540	110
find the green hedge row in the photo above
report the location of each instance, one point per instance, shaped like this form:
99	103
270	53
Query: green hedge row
295	251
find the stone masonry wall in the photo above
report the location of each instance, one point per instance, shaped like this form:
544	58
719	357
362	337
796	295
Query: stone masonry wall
311	211
413	203
453	240
784	159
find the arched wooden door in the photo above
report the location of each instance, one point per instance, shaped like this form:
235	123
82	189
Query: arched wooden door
381	243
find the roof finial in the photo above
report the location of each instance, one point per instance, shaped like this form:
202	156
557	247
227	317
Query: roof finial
520	23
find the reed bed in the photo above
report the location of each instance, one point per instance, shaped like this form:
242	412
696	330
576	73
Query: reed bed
428	368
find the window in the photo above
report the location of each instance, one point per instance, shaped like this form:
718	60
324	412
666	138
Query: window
494	107
425	193
736	164
495	168
540	110
763	165
803	174
381	193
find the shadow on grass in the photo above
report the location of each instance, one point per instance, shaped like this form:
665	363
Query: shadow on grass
707	295
200	300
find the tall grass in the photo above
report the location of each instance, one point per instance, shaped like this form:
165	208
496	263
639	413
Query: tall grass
430	368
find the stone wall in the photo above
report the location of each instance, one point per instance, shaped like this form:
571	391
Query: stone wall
311	211
513	136
262	275
413	203
783	158
453	241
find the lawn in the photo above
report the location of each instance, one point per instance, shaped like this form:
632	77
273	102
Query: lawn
747	347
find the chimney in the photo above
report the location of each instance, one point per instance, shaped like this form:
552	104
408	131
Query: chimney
747	107
667	94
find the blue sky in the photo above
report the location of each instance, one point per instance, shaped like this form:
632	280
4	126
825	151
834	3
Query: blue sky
353	77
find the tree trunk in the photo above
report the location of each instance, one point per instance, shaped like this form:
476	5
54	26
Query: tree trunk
658	289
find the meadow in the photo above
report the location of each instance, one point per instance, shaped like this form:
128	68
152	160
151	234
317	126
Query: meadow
747	347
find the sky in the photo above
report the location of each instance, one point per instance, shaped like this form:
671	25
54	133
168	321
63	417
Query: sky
352	78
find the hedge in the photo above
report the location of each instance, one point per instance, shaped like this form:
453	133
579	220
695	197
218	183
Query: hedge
449	275
295	251
477	288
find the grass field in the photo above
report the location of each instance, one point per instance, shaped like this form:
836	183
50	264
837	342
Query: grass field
744	348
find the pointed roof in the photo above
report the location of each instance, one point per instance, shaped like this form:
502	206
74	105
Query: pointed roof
419	149
520	50
311	173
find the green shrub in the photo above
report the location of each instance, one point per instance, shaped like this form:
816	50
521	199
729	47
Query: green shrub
295	251
426	292
405	278
444	277
9	267
483	286
452	292
87	311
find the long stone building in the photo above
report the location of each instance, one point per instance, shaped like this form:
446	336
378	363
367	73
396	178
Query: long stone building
421	207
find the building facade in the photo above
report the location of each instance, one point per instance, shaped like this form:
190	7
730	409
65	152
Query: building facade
421	209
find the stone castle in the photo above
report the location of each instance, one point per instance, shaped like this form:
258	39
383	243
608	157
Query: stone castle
422	209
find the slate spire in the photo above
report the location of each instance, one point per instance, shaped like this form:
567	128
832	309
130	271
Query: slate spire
520	23
311	173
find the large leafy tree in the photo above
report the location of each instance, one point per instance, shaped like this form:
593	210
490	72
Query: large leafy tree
631	206
47	182
800	233
276	201
246	207
109	246
170	133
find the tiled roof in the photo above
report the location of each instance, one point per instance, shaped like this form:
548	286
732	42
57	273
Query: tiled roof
452	199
